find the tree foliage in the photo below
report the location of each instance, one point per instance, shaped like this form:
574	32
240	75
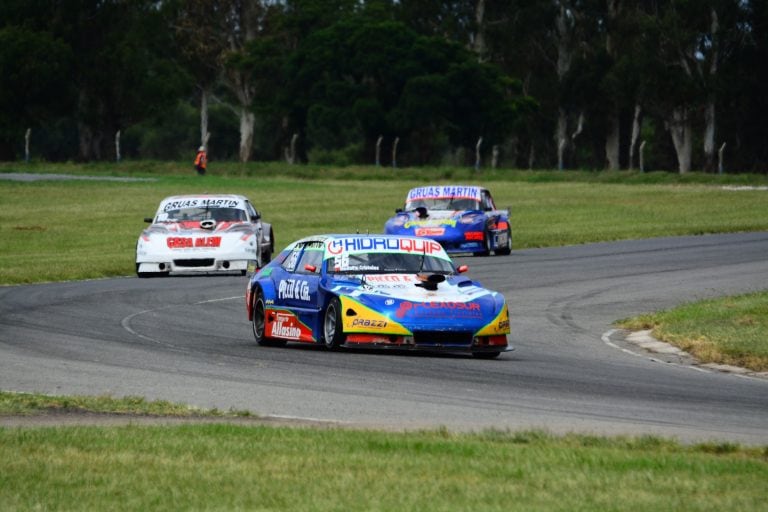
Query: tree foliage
576	83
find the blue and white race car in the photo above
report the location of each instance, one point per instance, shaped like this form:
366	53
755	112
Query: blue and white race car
464	219
375	291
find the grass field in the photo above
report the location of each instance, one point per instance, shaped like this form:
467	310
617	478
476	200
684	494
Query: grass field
229	467
60	230
57	230
728	330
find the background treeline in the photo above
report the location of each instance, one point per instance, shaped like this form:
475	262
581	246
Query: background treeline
591	84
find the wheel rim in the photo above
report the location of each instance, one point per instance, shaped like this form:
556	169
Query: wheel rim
258	319
330	325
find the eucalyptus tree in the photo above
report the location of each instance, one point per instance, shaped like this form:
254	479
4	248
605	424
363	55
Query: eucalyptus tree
699	37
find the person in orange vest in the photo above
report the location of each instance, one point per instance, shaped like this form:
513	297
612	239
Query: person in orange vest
201	160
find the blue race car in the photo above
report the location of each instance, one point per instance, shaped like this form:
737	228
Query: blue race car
463	219
374	291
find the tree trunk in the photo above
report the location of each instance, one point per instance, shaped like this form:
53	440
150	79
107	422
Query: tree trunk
614	125
709	109
612	143
204	116
478	45
636	122
680	129
564	61
709	135
247	122
561	137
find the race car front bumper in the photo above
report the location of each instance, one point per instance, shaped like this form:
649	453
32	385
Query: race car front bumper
195	265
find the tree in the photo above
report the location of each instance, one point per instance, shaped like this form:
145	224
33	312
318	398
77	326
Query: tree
362	78
32	65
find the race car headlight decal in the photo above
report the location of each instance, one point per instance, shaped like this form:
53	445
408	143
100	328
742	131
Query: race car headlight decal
359	318
499	325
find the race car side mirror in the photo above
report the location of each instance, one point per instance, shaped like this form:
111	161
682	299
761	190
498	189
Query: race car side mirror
398	210
257	216
462	269
148	219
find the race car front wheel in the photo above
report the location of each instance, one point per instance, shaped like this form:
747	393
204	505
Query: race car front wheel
333	333
259	322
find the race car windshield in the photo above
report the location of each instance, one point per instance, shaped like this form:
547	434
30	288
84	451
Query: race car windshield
444	203
387	263
199	214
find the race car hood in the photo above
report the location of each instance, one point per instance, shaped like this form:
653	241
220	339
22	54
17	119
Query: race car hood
435	217
406	300
195	227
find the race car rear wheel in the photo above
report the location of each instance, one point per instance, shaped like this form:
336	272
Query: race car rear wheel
259	322
333	332
507	249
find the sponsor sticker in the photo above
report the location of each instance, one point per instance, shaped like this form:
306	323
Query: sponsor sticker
338	246
430	223
296	289
429	231
202	202
188	242
446	191
439	309
286	325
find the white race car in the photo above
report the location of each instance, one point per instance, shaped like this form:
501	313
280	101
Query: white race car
204	233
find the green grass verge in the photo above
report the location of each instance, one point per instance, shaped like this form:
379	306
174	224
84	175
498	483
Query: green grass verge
730	330
228	467
34	403
62	230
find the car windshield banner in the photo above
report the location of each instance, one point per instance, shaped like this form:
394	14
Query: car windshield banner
356	245
202	202
444	192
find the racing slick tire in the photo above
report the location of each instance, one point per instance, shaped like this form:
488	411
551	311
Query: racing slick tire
485	355
259	322
333	333
266	255
505	251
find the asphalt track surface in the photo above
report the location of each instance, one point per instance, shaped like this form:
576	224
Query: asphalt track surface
187	339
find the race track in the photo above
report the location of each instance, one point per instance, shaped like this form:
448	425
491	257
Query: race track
188	340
